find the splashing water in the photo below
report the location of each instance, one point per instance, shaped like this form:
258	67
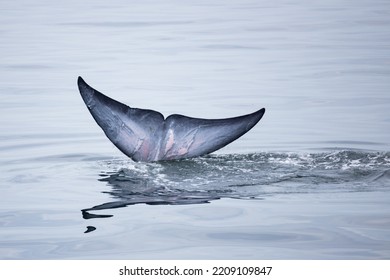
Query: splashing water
249	176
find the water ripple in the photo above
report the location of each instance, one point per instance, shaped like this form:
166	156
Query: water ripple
241	176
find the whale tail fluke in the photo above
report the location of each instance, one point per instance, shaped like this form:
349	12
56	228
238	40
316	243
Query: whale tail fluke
144	135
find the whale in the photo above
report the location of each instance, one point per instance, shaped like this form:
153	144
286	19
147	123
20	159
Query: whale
145	135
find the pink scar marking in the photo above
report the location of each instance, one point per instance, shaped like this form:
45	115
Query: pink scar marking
170	141
182	151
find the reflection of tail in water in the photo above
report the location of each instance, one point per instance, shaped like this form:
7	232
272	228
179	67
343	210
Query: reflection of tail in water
139	186
131	191
149	201
251	176
158	196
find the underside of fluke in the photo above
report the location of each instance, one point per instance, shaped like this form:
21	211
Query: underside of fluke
144	135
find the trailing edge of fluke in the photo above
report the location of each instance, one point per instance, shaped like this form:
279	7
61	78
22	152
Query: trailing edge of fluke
145	135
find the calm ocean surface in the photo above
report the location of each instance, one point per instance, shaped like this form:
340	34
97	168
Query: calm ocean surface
310	181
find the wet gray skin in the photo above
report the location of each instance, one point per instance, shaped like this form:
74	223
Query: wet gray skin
145	135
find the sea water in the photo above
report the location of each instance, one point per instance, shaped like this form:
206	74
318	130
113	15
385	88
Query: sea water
310	181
